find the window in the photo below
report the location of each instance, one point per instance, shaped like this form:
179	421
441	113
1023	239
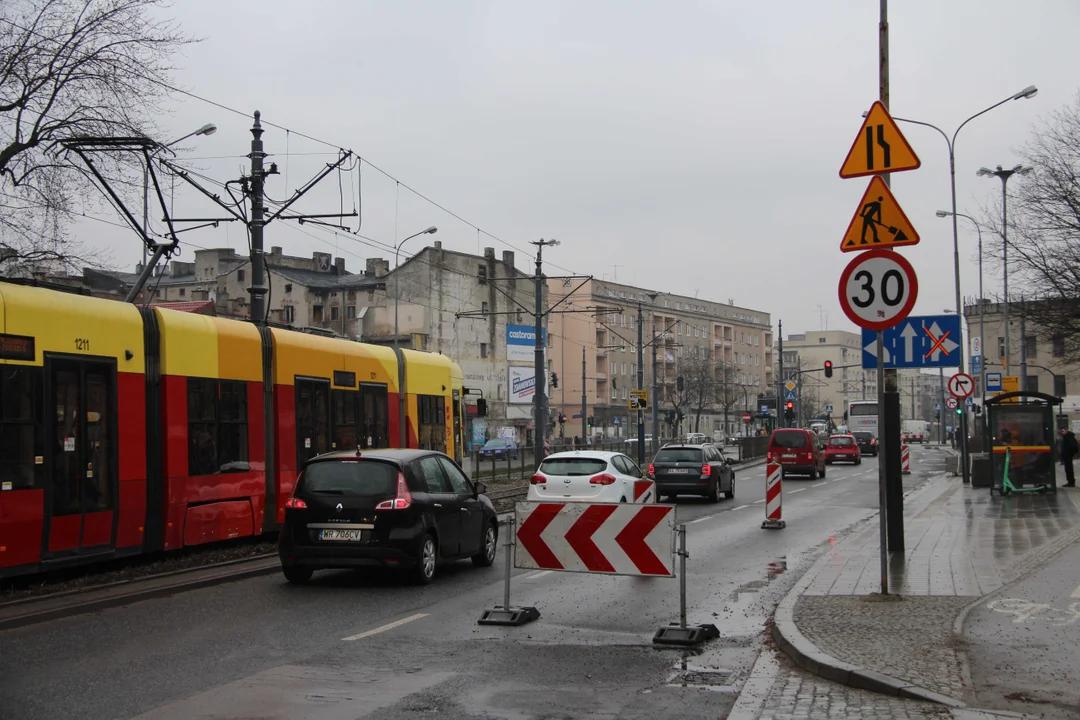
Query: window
431	473
316	314
333	312
1059	385
288	287
217	426
373	417
431	422
21	437
1033	383
312	418
345	419
290	314
1001	348
1058	349
240	275
458	481
1031	346
481	274
821	341
614	392
483	350
624	368
633	368
182	292
484	306
350	312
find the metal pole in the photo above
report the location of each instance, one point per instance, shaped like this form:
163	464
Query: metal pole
538	368
965	471
655	390
1005	261
640	385
258	288
145	205
509	560
682	576
883	96
1023	347
982	328
780	374
941	404
584	399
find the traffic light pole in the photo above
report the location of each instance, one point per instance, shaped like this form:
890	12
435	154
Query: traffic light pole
640	386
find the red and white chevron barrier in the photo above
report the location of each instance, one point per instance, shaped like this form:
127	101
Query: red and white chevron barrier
607	538
644	491
774	497
905	459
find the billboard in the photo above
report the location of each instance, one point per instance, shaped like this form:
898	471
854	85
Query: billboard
523	385
521	342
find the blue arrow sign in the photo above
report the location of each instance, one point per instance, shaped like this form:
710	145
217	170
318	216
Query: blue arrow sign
993	382
929	341
976	364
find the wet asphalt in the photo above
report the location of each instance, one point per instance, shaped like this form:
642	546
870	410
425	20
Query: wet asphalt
352	645
1023	644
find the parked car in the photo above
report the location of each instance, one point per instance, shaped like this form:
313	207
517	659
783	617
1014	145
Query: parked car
797	451
843	448
499	448
585	476
693	470
696	439
397	509
868	444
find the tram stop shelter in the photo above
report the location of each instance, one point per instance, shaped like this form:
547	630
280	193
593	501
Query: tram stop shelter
1021	426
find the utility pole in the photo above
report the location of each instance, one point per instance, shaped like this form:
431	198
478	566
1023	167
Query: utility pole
584	399
1023	348
640	384
258	288
655	400
780	375
540	379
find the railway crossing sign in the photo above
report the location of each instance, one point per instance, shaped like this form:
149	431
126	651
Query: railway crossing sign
639	399
925	341
951	403
961	385
878	289
878	221
879	147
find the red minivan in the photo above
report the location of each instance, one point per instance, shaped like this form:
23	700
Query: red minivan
797	451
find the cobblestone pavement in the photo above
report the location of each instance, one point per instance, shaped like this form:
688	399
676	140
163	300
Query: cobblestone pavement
909	639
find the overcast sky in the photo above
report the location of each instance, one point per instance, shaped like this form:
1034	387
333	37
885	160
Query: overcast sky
694	145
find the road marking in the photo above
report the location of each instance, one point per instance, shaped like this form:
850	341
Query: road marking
700	519
836	480
757	502
387	626
1076	593
739	508
819	484
792	492
537	575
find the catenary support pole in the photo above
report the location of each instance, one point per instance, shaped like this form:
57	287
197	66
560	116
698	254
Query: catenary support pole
640	386
258	177
584	400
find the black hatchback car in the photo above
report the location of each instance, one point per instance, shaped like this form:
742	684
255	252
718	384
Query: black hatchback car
692	470
866	441
397	509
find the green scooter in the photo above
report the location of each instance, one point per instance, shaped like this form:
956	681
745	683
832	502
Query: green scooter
1007	488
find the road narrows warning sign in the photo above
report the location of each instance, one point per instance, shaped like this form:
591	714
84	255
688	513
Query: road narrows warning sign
878	222
879	147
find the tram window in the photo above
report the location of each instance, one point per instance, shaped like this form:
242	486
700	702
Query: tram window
217	426
346	426
432	422
374	422
21	435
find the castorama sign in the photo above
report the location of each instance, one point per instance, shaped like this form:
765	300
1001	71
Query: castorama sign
521	342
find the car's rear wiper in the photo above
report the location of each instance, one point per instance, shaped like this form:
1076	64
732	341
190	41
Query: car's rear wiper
329	492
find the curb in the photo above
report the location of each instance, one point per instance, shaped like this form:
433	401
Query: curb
81	605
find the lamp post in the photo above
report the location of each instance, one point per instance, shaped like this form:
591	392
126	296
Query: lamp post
1004	175
207	129
1027	93
982	303
404	436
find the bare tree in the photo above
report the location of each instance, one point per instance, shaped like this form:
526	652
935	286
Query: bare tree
699	384
1044	229
70	68
730	393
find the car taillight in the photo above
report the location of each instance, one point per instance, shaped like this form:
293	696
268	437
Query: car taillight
537	479
706	469
652	469
602	479
768	456
295	503
401	501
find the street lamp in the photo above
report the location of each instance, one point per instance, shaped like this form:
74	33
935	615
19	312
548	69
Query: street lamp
982	303
397	280
1027	93
207	129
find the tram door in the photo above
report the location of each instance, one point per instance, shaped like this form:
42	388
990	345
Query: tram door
80	457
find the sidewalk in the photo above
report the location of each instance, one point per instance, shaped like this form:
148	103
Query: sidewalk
961	545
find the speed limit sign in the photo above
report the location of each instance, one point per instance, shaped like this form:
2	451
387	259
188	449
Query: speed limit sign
878	289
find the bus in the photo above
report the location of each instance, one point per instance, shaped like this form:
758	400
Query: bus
863	415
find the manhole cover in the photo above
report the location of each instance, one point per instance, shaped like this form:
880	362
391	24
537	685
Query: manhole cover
702	676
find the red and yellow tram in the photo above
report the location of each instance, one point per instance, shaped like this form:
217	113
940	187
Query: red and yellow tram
127	430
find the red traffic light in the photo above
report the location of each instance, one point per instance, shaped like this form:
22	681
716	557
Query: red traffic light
828	368
790	405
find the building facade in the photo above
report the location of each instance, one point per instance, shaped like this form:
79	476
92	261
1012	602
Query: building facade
722	352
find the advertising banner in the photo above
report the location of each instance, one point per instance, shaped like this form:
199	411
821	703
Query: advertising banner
521	342
523	385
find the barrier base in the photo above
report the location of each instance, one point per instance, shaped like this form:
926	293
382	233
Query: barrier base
685	636
773	524
513	616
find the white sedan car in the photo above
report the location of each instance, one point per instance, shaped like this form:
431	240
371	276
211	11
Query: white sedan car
585	476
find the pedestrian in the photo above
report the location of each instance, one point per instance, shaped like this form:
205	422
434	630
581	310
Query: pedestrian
1069	449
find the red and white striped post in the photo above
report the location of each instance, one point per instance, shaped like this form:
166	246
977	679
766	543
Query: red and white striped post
773	497
547	447
905	459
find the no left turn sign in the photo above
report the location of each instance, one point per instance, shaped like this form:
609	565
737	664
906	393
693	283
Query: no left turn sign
878	289
961	385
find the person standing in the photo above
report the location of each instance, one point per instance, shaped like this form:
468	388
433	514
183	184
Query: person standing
1069	449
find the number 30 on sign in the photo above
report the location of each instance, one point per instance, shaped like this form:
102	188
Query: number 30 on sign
878	289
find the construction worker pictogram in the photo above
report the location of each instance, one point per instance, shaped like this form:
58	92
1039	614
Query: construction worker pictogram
879	222
879	147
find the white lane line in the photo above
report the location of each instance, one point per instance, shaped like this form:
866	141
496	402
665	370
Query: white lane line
700	519
537	575
836	480
739	508
758	502
792	492
384	628
1076	593
819	484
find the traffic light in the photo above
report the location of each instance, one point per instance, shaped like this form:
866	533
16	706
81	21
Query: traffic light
959	411
679	383
789	410
828	368
590	421
554	380
562	419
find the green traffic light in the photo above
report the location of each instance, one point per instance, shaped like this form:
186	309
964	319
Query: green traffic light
959	411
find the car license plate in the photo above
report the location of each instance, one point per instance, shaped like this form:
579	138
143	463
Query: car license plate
789	457
679	471
342	534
